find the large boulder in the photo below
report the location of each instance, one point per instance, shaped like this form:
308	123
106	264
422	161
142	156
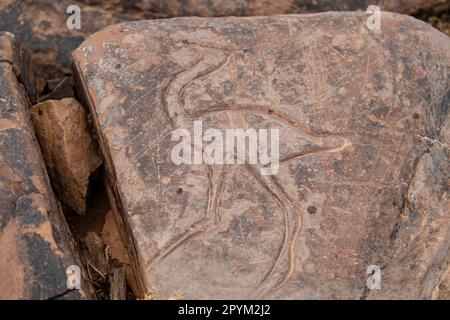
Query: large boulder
35	244
362	183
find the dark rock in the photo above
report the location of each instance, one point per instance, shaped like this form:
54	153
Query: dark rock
41	26
62	89
35	244
13	53
211	8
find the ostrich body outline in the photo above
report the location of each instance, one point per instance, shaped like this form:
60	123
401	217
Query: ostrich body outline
172	102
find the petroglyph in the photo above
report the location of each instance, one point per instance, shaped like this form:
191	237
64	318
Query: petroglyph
174	107
348	114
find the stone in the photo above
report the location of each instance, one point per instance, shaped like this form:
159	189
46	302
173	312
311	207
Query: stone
13	53
118	285
35	244
209	8
117	251
69	151
41	26
362	183
95	253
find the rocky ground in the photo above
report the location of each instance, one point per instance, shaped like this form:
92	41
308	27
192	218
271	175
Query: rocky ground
87	177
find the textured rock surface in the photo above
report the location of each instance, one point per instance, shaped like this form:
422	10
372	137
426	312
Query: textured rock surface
69	151
207	8
442	292
363	178
35	245
95	251
41	25
11	52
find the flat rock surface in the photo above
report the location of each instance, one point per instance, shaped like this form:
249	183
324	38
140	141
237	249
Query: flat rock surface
35	245
364	134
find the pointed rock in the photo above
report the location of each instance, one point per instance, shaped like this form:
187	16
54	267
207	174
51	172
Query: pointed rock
69	151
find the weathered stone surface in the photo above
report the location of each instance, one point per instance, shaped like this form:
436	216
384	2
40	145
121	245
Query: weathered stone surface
35	245
12	52
118	285
69	151
208	8
95	254
41	26
363	177
117	251
442	291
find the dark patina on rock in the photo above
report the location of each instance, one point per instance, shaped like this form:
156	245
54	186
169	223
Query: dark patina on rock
35	244
12	53
363	177
41	25
210	8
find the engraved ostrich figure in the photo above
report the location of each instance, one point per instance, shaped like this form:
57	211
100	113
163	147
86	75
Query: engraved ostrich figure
210	59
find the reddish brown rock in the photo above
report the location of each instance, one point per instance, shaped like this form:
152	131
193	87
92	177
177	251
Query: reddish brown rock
12	52
209	8
363	176
117	251
118	286
35	244
95	251
41	26
442	292
69	151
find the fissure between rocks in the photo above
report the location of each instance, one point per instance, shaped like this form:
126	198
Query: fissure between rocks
104	256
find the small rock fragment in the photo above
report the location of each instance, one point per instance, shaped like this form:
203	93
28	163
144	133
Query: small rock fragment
95	255
69	151
118	285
